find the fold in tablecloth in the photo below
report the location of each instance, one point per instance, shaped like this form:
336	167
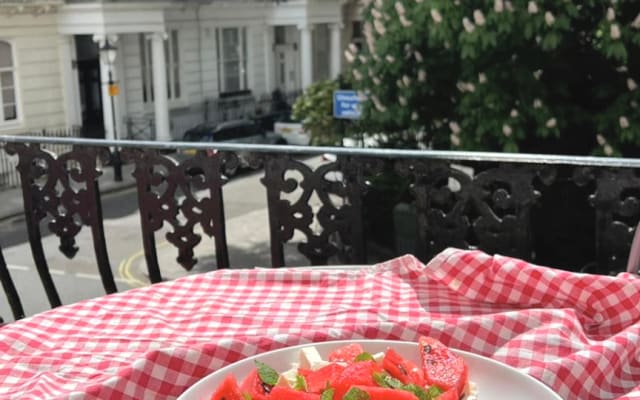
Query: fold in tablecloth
577	333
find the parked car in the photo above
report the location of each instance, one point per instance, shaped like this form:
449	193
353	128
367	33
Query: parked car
236	131
292	131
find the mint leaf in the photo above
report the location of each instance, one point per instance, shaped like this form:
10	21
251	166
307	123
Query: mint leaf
246	396
301	383
434	391
385	380
364	357
356	394
267	374
327	394
421	393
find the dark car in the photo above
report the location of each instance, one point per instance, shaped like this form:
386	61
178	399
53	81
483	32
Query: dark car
236	131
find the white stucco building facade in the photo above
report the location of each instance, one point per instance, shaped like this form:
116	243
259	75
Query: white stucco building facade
176	61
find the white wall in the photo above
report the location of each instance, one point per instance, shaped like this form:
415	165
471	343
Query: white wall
41	99
196	26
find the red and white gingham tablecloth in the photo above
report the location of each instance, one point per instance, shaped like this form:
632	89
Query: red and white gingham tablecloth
577	333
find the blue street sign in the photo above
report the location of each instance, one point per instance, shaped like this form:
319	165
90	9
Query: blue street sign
346	104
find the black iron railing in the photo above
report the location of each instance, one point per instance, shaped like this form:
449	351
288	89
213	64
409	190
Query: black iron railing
9	177
577	213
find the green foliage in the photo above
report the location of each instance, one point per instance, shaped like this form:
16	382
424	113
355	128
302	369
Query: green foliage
503	75
315	109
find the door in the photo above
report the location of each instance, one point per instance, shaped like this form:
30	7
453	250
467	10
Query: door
90	86
286	58
286	68
91	98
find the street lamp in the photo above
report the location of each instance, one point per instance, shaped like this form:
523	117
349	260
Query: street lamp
109	52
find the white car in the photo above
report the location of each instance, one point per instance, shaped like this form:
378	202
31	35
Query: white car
293	132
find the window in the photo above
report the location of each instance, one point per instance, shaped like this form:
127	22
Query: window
8	101
172	64
357	36
280	34
231	53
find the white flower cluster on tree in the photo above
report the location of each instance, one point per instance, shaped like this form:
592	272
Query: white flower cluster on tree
504	72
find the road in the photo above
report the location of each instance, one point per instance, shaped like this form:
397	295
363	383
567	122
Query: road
77	279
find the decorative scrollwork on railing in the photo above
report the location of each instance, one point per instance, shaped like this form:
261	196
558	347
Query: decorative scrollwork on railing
617	203
161	180
61	187
467	207
322	203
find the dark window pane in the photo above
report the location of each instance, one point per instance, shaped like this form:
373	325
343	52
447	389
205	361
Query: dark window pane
168	75
232	83
8	96
232	68
176	63
10	112
244	59
174	45
6	79
280	35
6	58
230	44
176	73
143	63
167	67
357	30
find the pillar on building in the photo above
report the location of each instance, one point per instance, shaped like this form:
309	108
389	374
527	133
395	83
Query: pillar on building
160	96
105	68
269	67
306	55
335	49
67	48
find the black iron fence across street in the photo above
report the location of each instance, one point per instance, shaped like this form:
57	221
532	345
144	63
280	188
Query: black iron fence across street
9	176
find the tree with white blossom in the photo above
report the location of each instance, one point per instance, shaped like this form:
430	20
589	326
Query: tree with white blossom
506	75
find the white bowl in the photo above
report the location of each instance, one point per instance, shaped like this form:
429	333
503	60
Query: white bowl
494	380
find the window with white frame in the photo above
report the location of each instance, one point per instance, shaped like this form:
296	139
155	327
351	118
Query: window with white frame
172	65
8	99
231	51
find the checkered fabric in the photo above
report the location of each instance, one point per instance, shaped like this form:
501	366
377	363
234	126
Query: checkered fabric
577	333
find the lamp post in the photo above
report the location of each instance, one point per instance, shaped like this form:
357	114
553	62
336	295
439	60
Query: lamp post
109	52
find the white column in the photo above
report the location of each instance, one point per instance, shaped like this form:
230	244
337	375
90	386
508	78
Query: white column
160	97
250	43
107	110
335	49
72	107
306	55
269	74
121	99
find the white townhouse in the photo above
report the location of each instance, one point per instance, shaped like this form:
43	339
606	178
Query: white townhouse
175	63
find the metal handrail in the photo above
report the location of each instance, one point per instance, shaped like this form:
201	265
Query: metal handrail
477	156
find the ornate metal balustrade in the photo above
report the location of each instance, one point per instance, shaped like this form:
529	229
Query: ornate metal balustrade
577	213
